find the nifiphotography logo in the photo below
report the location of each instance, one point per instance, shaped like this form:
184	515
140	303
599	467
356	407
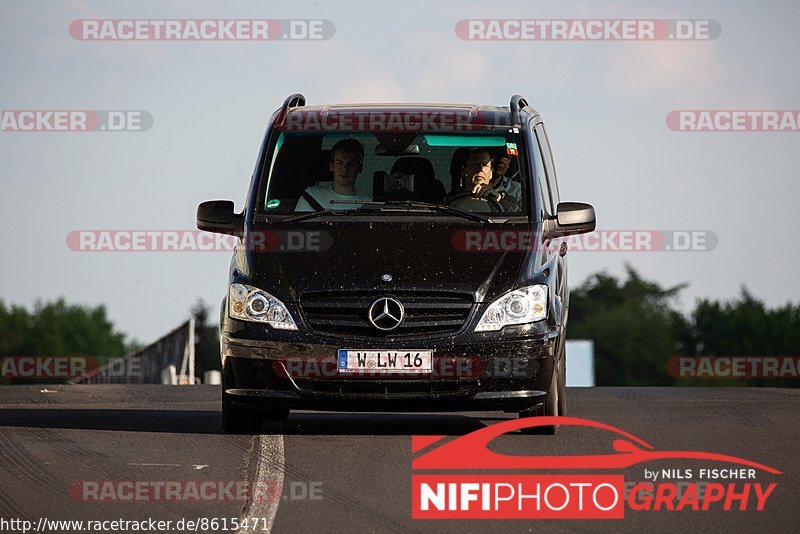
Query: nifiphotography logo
443	486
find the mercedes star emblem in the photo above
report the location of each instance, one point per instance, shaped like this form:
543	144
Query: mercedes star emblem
386	314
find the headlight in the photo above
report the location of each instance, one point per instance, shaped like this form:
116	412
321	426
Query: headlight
252	304
521	306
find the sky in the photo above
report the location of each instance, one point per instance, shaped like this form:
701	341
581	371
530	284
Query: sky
604	103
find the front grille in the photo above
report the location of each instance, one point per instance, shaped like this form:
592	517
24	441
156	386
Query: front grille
425	312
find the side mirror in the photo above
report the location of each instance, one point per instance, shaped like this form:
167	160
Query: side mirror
217	216
571	218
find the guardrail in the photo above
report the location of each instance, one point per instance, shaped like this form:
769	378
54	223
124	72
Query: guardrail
168	360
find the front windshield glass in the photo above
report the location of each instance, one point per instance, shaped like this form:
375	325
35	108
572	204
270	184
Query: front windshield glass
321	171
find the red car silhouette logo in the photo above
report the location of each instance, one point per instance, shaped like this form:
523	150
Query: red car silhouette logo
471	452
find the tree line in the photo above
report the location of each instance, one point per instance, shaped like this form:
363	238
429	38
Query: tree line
636	328
634	323
57	329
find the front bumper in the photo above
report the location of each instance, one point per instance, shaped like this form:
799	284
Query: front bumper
473	375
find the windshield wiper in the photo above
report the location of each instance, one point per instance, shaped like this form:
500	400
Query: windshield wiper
381	205
313	215
377	206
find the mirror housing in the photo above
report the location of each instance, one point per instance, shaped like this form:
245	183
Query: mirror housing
217	216
571	218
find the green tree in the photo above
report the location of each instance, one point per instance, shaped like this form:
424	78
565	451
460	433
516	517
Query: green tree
59	329
15	327
633	324
745	327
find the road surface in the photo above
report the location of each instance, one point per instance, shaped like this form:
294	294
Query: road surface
340	472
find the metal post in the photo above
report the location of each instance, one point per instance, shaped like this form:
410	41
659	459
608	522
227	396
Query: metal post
192	340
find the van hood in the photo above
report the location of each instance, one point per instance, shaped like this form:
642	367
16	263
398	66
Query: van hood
381	256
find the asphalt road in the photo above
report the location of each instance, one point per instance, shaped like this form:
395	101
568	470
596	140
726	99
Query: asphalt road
337	472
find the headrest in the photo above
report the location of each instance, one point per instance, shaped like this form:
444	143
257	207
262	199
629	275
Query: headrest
459	156
421	168
324	173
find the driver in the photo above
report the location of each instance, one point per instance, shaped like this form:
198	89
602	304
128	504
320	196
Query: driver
478	175
476	171
347	159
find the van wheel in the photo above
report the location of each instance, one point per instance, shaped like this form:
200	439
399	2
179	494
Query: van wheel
235	419
554	405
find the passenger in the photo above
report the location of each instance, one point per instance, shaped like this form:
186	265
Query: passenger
510	191
347	159
501	164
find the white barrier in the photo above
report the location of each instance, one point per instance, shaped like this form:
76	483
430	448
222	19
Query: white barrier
157	363
580	363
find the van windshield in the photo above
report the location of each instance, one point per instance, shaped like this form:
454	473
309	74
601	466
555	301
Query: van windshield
476	172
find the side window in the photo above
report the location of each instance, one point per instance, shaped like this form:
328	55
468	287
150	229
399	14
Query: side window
552	181
540	178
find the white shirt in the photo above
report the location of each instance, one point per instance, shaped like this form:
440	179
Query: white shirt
325	193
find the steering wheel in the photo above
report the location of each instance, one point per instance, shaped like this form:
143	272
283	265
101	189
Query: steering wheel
465	201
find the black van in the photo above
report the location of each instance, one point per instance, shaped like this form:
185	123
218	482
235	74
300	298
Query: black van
397	257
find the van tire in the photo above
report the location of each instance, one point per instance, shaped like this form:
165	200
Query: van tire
556	402
235	419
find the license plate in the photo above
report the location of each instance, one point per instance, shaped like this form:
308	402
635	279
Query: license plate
385	361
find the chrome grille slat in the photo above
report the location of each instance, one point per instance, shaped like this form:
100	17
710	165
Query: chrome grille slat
346	312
